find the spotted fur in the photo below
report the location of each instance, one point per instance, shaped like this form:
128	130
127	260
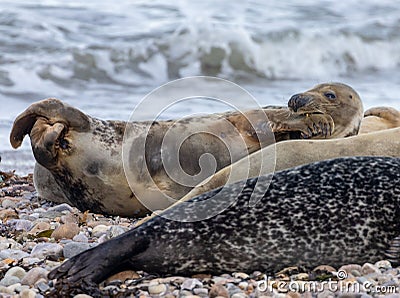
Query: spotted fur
332	212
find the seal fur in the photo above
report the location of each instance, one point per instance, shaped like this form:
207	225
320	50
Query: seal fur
310	215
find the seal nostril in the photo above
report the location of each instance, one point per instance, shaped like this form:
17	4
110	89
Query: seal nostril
297	101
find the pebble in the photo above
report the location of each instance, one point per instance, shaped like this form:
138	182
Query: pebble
73	248
61	208
191	283
99	230
383	265
81	237
115	231
65	231
240	275
42	250
82	296
16	271
368	268
42	286
21	224
157	289
12	254
7	203
39	227
33	275
218	290
9	280
28	293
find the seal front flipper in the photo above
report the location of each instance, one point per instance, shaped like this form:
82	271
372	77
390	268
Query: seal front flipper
100	262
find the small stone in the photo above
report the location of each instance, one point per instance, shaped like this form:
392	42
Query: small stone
12	254
368	268
9	280
21	224
65	231
243	285
69	218
73	248
8	204
27	293
324	268
99	230
7	214
240	275
123	276
300	276
384	264
157	289
42	250
81	237
61	208
350	267
191	283
34	275
18	287
82	296
5	290
200	291
115	231
30	261
16	271
42	286
239	295
39	227
218	290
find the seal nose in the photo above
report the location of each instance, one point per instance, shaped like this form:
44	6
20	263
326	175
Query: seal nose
297	101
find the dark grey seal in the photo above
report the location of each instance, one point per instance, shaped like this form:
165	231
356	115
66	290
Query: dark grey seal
333	212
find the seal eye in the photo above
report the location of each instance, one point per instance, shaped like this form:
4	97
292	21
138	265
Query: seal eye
330	95
64	144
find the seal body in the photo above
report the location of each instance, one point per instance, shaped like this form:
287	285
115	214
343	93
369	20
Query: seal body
333	212
293	153
379	118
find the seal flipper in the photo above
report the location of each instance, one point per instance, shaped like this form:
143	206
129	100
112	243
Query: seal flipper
100	262
393	253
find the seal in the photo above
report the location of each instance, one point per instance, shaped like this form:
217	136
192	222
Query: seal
310	215
293	153
80	157
379	118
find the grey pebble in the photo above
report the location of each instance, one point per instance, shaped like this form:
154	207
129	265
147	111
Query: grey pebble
115	231
157	289
80	238
100	230
200	291
21	224
82	296
33	275
9	280
42	286
42	250
73	248
9	204
13	254
61	208
191	283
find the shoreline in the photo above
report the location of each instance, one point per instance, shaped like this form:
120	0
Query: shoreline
37	235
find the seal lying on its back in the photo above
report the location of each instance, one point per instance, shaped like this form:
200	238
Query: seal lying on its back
333	212
83	155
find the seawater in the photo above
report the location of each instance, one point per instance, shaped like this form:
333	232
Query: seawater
104	57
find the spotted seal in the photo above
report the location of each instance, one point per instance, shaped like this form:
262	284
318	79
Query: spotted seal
80	160
379	118
333	212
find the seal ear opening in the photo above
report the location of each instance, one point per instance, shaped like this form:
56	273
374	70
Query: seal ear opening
53	110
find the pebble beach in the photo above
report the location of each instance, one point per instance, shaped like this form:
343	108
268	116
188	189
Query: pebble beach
37	235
